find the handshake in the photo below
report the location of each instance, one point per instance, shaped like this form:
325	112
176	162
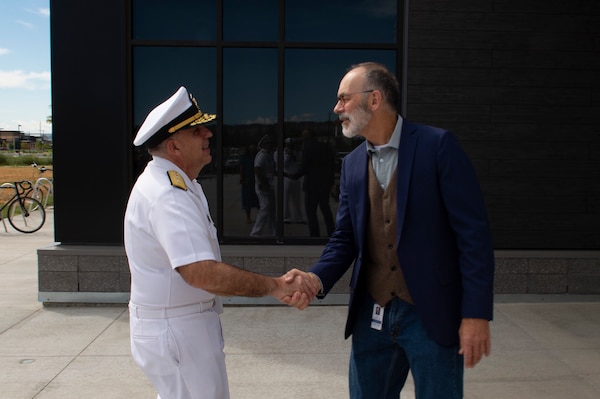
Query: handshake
297	288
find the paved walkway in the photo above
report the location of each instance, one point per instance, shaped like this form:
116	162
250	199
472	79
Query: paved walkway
543	347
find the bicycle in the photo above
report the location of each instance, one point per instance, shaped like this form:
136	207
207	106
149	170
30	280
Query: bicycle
43	188
25	214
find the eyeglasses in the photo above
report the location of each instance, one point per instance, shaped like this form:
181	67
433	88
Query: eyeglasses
345	97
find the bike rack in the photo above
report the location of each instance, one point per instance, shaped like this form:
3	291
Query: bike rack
6	185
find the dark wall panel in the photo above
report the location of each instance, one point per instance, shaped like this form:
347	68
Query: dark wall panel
518	82
91	145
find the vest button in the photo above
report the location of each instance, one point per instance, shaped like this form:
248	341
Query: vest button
393	268
390	246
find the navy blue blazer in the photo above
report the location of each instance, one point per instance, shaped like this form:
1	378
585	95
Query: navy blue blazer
444	243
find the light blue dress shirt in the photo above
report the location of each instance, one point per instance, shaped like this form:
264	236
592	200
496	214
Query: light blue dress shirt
385	157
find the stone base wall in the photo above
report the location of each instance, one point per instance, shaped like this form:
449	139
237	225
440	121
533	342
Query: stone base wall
547	272
100	274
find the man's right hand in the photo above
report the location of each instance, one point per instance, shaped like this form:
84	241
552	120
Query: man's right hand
310	283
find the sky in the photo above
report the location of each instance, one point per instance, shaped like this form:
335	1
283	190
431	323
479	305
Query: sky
25	66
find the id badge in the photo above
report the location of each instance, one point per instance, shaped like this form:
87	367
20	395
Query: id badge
377	317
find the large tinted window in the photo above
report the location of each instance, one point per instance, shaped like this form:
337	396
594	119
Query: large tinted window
174	19
261	86
343	21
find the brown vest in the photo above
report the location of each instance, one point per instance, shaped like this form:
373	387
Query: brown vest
382	268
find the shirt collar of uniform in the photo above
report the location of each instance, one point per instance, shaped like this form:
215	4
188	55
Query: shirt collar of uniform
394	140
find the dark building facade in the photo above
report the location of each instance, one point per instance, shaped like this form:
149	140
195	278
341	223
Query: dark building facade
517	81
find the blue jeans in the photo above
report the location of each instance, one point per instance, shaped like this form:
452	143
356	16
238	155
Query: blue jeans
380	360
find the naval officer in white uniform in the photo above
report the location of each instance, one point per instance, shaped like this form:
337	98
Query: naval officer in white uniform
175	262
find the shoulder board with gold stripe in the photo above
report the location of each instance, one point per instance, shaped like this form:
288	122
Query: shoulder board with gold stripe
177	180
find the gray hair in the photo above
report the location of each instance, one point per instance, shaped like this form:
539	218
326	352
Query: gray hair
380	78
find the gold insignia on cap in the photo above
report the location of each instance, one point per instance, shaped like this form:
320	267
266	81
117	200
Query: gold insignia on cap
205	118
177	180
197	119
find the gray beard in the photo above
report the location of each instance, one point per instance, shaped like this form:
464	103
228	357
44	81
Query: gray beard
359	121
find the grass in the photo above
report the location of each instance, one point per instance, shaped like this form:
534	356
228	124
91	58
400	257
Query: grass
25	159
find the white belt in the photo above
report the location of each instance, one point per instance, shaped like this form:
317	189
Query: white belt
142	312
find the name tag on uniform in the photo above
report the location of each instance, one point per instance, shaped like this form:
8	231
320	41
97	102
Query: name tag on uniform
377	318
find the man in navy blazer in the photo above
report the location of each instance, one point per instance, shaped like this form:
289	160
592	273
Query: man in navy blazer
442	245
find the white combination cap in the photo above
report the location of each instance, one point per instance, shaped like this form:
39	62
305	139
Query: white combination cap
178	112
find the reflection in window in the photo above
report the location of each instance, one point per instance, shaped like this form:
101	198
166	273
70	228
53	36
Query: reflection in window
245	20
251	104
156	77
249	113
174	19
358	21
311	82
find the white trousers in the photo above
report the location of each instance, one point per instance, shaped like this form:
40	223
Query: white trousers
265	218
182	356
292	204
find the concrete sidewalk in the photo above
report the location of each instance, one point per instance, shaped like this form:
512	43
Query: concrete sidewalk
543	347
